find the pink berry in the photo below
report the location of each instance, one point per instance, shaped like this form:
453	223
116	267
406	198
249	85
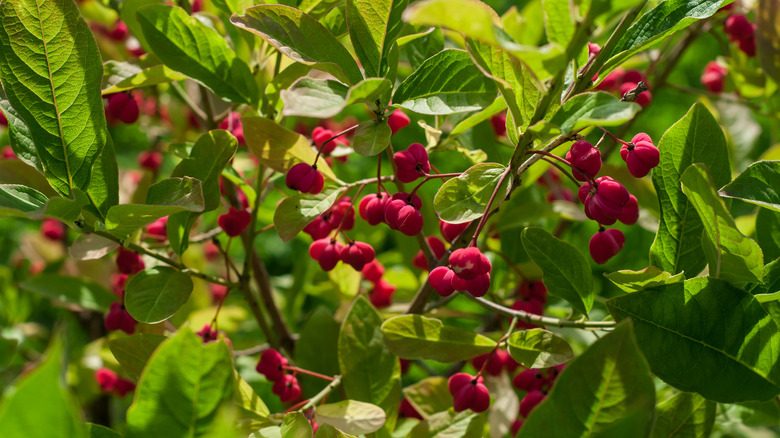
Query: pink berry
451	231
398	120
233	124
411	163
150	160
119	32
630	212
271	365
8	153
197	5
530	401
585	160
373	271
305	179
713	78
129	262
158	229
327	252
3	119
341	213
357	254
499	124
207	333
640	155
634	76
748	46
468	392
287	388
495	362
739	28
533	306
122	387
402	213
381	294
477	286
468	263
406	410
53	229
441	280
529	380
118	284
605	202
612	81
437	246
319	228
516	426
119	319
122	107
593	49
218	292
533	290
106	379
234	221
372	208
605	244
320	135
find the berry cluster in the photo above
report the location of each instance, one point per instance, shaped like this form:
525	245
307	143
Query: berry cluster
234	221
53	229
118	318
469	270
122	107
624	81
273	366
741	31
468	392
714	77
494	364
536	383
533	298
109	382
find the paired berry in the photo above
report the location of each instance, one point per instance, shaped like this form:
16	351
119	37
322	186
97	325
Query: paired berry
150	160
119	319
305	179
477	286
604	202
640	155
110	382
398	120
319	136
287	388
381	294
327	252
630	213
233	124
341	213
271	365
158	229
441	280
495	363
714	77
357	254
412	163
605	244
373	271
740	30
53	229
585	160
122	107
129	262
451	231
469	263
402	213
234	222
207	333
437	247
372	208
498	122
468	392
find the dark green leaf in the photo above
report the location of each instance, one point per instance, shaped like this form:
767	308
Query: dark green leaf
770	289
98	431
371	137
466	424
420	337
759	184
724	342
537	348
154	295
730	255
19	173
7	351
429	395
51	72
696	138
373	26
684	415
300	37
19	134
465	198
193	49
446	83
134	351
351	416
648	278
298	210
185	380
16	200
604	385
370	372
566	271
319	333
768	233
103	190
325	98
597	108
70	290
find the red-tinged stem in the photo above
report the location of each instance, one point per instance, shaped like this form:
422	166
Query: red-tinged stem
613	136
550	155
351	207
296	406
379	186
429	177
484	218
498	345
319	150
307	372
562	170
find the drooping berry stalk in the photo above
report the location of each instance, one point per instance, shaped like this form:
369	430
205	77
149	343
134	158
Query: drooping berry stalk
297	370
503	339
484	218
337	135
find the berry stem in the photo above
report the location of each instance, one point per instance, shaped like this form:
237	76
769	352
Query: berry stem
484	218
613	136
307	372
562	170
351	207
322	394
498	345
550	155
319	150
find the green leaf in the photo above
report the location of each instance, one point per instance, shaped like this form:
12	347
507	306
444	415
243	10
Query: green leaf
537	348
370	372
768	233
730	255
16	172
51	72
207	159
7	351
373	27
19	134
465	198
566	271
141	77
296	211
154	295
191	48
325	98
103	190
684	415
320	332
16	200
558	21
420	337
295	425
465	424
302	38
133	352
70	290
318	8
648	278
351	416
597	108
328	431
475	119
371	137
696	138
128	14
608	382
278	147
181	388
723	340
429	396
770	289
41	406
758	184
446	83
98	431
169	196
248	400
659	24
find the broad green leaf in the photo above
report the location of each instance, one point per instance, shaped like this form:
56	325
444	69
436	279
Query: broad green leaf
465	198
295	425
768	233
302	38
155	75
770	289
696	138
181	388
133	352
319	332
154	295
19	135
659	24
421	46
420	337
16	200
446	83
648	278
684	415
328	431
103	190
730	255
283	81
558	21
318	8
351	416
325	98
566	271
607	383
66	209
768	37
207	160
373	26
473	120
723	340
370	371
187	46
128	14
70	290
248	400
758	184
51	72
98	431
598	108
296	211
429	395
465	424
371	137
537	348
41	406
278	147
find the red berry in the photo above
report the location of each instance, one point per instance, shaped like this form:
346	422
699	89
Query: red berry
382	293
533	306
372	208
441	280
477	286
738	28
326	251
612	81
373	271
529	380
438	248
118	284
3	119
158	229
233	124
468	392
398	120
402	213
644	97
406	410
640	155
585	160
495	362
150	160
197	5
305	179
319	228
106	379
516	426
287	388
634	76
411	163
129	262
357	254
207	333
630	212
605	244
533	290
468	263
119	319
593	49
234	221
122	107
341	213
713	78
119	32
53	229
530	401
748	46
452	231
210	251
218	292
271	365
605	202
122	387
8	153
499	124
319	136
